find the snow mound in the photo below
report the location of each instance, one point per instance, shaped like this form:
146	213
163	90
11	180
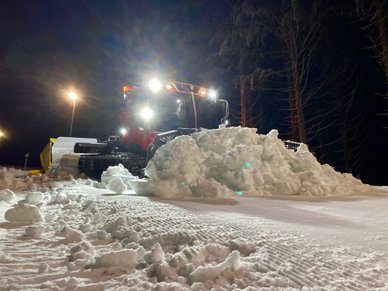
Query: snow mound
238	161
18	180
117	179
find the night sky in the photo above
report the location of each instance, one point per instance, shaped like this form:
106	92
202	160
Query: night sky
96	47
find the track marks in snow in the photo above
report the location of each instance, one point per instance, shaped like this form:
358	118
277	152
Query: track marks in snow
269	258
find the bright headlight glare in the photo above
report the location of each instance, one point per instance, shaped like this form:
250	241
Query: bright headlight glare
123	131
212	94
155	85
146	113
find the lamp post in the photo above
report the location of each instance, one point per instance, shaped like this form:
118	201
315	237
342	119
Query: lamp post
25	161
73	96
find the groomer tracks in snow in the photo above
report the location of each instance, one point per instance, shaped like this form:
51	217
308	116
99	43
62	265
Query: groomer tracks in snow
94	240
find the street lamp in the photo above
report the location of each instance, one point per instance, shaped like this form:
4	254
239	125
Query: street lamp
3	135
73	96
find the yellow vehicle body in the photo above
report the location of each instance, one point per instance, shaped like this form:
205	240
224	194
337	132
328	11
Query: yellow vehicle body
46	155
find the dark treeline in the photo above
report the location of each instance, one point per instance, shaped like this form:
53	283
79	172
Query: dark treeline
317	71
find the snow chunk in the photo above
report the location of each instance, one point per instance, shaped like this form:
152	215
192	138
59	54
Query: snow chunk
71	234
7	195
82	251
24	213
60	198
202	274
35	230
117	185
156	255
122	259
34	198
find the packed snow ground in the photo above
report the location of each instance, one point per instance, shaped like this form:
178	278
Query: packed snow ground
311	228
70	235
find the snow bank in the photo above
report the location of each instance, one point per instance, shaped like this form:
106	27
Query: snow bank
237	161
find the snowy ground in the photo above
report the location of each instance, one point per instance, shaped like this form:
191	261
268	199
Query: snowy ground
93	239
231	210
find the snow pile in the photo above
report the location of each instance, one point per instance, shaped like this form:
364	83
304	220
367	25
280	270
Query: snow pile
117	179
18	180
14	179
225	162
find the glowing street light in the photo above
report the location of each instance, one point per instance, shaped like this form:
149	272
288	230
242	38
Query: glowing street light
72	96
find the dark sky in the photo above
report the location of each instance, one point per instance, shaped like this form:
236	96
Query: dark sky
95	47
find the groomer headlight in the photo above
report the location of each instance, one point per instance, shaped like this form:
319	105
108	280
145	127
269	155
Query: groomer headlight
146	113
155	85
212	95
123	131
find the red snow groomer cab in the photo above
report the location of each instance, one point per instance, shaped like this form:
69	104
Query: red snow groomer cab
153	114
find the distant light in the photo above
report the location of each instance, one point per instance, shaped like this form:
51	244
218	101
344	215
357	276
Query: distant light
123	131
240	193
178	101
212	95
169	87
2	134
155	85
146	113
248	164
72	95
226	122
